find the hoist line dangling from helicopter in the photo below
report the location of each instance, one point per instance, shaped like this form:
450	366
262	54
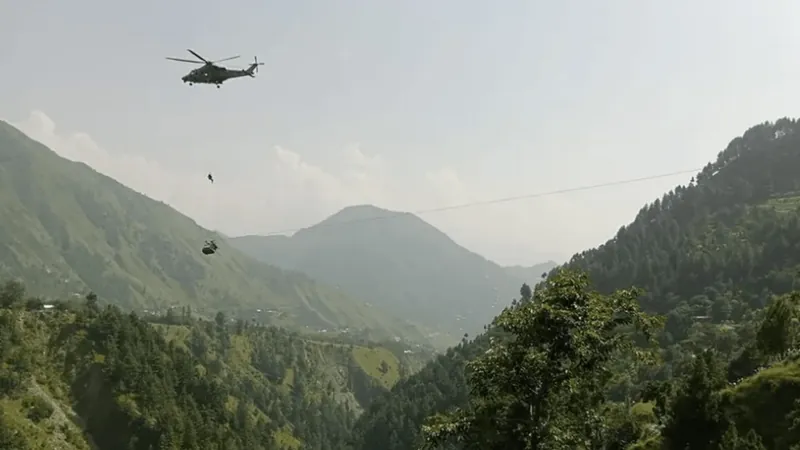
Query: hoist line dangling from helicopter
210	246
211	73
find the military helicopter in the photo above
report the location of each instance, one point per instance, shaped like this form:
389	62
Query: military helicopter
211	73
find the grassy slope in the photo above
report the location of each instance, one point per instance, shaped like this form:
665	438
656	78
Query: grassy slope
67	229
329	356
763	402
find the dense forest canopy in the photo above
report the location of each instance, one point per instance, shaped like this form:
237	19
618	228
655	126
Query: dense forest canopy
77	374
709	257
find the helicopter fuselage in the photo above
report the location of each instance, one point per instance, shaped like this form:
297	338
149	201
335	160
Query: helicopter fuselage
212	75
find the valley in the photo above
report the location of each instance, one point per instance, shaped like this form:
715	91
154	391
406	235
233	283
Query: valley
77	376
399	263
679	332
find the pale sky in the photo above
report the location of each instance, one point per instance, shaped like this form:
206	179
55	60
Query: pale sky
405	104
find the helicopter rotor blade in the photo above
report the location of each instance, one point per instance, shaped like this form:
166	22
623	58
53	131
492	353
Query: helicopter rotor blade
226	59
198	56
184	60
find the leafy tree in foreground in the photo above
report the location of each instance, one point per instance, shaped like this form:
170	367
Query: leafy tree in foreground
543	386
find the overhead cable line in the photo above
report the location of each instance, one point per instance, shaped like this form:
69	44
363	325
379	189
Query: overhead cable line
492	201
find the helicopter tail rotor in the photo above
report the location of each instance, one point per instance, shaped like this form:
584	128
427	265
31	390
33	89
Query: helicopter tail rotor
253	69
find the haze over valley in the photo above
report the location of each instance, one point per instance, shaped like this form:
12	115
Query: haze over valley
436	226
343	317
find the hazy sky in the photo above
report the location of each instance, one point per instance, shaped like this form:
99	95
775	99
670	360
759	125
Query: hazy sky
406	104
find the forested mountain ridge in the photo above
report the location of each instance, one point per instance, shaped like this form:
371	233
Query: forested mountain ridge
78	376
67	229
736	220
709	256
398	262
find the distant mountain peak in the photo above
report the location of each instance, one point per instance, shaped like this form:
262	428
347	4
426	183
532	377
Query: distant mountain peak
361	212
364	207
402	263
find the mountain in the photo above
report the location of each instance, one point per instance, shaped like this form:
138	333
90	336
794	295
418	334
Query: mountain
78	377
710	256
398	262
67	229
531	274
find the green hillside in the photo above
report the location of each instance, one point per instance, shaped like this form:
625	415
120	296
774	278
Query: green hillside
75	374
402	265
710	256
67	229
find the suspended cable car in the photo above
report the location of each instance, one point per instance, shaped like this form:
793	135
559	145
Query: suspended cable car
210	248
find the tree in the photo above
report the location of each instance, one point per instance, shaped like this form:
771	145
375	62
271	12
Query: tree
696	420
543	385
658	392
219	319
777	334
170	316
91	302
12	293
240	326
525	292
752	441
730	440
794	431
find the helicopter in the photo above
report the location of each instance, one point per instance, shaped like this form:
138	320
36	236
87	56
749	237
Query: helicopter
211	73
